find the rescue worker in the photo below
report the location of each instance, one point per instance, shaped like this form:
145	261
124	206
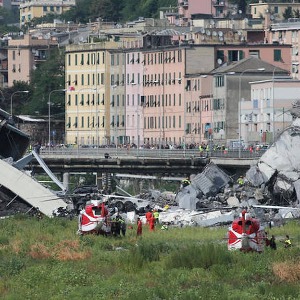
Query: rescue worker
122	225
148	216
118	225
152	223
241	181
156	216
185	182
201	150
207	150
139	230
272	243
287	242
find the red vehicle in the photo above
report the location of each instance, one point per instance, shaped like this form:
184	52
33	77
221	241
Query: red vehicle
246	234
94	218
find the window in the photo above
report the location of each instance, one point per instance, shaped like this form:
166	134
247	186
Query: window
188	85
219	80
277	55
112	79
254	53
220	56
255	103
235	55
218	104
188	128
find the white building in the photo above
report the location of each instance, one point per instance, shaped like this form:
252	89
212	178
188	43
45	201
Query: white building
267	113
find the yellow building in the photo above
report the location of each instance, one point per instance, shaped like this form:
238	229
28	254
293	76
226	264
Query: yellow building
39	8
95	96
86	75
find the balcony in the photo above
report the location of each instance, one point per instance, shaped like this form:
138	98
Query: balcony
218	3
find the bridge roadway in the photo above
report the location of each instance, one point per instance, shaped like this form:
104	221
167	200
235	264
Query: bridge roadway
142	161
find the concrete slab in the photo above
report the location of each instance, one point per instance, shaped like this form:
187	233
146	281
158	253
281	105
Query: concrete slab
29	189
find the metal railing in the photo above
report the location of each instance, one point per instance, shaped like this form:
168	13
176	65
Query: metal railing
149	153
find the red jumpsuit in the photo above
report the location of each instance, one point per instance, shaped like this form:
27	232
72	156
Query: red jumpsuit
152	223
139	227
148	216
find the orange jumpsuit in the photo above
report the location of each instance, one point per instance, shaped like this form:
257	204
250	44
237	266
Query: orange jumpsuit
139	228
152	223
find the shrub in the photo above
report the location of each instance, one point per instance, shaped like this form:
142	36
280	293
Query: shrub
11	265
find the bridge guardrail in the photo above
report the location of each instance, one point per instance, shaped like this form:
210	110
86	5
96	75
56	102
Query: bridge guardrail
150	153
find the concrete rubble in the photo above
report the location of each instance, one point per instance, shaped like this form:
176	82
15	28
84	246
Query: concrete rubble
271	191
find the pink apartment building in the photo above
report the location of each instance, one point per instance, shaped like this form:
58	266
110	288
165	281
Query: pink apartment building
163	96
187	8
24	54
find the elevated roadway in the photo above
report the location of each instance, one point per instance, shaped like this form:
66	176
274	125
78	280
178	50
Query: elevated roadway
146	161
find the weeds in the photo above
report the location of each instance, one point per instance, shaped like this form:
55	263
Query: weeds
46	259
199	256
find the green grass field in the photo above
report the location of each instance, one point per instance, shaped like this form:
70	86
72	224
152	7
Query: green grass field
46	259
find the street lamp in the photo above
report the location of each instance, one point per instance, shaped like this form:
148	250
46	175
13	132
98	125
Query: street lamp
49	115
11	99
240	104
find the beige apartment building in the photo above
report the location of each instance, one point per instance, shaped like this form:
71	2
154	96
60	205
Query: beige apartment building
117	135
87	95
95	97
30	9
287	33
275	10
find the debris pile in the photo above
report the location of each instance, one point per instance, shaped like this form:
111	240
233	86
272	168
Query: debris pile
278	169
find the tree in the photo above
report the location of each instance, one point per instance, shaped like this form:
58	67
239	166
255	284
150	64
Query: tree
80	13
297	13
241	5
107	10
19	99
288	13
47	77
